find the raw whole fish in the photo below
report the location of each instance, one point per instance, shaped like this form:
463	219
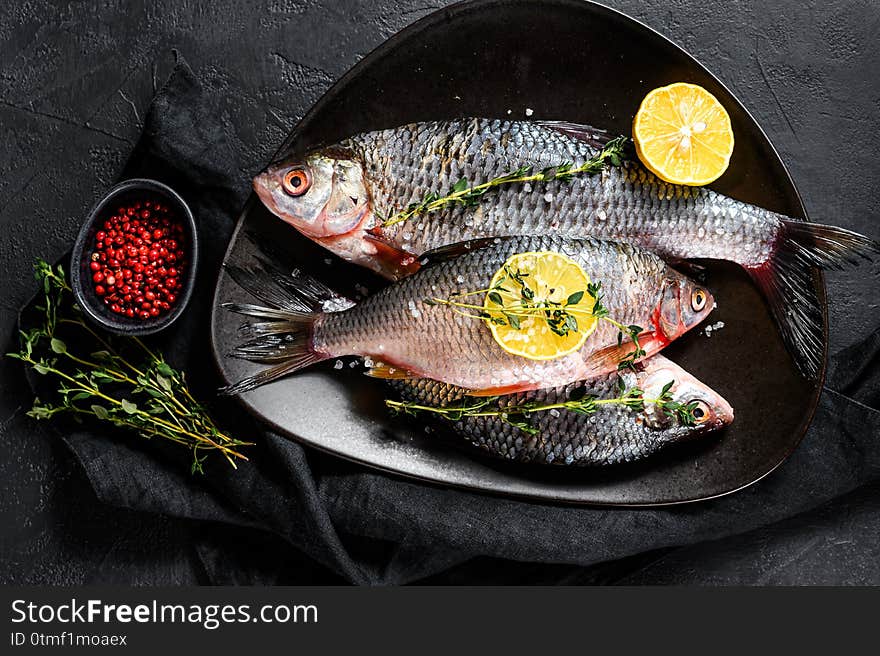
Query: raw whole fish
340	196
613	434
405	337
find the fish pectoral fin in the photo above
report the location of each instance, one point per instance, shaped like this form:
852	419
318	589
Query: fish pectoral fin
501	390
405	263
453	251
387	372
587	133
607	359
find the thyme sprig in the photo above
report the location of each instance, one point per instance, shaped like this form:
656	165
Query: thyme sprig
631	331
466	195
561	316
144	394
518	414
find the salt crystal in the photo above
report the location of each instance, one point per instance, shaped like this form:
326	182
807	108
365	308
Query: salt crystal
413	310
708	330
554	412
529	111
527	188
328	261
548	197
368	362
352	364
338	364
459	279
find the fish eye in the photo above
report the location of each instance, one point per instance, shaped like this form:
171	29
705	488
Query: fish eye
296	182
700	412
698	299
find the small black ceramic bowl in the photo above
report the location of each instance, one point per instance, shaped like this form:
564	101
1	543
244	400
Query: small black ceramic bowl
130	191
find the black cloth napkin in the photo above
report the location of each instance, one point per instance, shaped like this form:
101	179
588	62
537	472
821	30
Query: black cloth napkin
373	528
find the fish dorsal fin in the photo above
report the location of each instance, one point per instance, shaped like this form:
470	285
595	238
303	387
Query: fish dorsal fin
453	251
587	133
387	372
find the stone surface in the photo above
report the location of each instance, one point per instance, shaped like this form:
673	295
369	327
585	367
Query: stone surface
76	78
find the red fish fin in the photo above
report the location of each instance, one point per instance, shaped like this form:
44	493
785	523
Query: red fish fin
609	358
405	263
587	133
787	282
387	372
499	391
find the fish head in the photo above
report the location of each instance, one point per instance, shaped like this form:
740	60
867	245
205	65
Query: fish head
321	195
324	196
707	410
685	303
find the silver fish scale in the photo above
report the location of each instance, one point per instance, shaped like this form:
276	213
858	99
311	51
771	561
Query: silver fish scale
396	327
614	434
628	203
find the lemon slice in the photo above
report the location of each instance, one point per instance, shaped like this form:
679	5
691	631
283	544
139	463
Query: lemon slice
524	303
683	135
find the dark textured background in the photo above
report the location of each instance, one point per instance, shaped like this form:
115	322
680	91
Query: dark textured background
75	80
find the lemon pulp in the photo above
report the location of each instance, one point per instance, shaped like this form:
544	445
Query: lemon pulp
683	135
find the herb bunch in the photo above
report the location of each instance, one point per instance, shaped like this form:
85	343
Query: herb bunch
466	195
518	414
123	383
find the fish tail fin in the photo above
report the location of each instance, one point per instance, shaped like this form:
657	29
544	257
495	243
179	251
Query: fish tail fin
294	290
281	332
285	340
828	247
267	376
787	282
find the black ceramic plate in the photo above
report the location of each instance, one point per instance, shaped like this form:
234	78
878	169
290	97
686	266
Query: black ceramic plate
565	60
